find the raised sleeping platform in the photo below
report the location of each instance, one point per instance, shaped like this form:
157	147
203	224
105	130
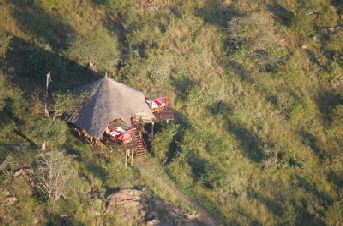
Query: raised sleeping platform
157	101
120	133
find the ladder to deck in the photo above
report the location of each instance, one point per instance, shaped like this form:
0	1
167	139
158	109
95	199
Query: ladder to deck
140	150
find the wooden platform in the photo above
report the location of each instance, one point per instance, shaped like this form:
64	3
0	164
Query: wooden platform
164	115
131	145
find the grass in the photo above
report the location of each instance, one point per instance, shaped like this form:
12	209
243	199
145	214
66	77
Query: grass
238	106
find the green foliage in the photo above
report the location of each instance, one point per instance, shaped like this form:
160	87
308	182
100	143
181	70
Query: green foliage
40	61
328	16
337	119
255	31
254	37
335	213
15	108
67	102
258	126
164	143
44	130
96	46
54	5
4	41
214	176
290	215
2	91
333	43
303	24
115	178
181	172
118	6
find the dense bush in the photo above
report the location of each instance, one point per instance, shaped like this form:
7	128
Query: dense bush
45	131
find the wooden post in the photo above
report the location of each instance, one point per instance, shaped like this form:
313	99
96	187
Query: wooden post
152	127
48	79
126	156
132	157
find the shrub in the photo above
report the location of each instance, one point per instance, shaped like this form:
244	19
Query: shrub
302	23
4	41
118	6
290	215
52	5
97	46
335	42
334	213
256	31
2	91
67	102
327	16
254	36
45	131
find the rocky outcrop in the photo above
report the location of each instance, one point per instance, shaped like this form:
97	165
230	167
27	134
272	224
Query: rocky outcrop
25	181
129	204
139	207
7	197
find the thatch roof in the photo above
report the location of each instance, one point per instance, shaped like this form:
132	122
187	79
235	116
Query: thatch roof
109	100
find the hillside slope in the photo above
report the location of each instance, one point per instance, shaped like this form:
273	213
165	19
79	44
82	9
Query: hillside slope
256	87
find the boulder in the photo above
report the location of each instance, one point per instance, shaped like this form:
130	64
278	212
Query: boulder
154	222
25	181
129	204
9	200
136	207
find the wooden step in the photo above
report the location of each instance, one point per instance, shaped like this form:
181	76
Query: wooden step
138	144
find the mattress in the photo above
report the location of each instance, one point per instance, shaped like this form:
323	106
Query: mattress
155	103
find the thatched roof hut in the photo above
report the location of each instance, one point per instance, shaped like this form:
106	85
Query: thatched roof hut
109	100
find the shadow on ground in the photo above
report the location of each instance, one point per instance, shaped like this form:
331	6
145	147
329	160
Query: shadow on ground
27	65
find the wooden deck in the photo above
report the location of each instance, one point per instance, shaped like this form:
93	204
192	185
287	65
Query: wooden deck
131	145
164	115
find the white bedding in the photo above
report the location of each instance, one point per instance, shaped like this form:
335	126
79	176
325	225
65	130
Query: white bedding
119	129
153	104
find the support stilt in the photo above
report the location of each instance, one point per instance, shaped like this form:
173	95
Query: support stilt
152	128
127	154
132	151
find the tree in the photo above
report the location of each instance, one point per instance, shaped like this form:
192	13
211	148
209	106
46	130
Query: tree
95	45
45	131
54	174
67	102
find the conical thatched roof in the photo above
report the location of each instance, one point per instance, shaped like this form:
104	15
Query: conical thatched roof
109	100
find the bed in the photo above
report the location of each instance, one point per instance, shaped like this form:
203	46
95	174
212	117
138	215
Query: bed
120	133
157	101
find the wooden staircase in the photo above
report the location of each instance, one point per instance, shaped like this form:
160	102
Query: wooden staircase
140	150
135	148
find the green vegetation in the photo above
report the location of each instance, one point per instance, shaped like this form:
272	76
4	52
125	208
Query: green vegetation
256	86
